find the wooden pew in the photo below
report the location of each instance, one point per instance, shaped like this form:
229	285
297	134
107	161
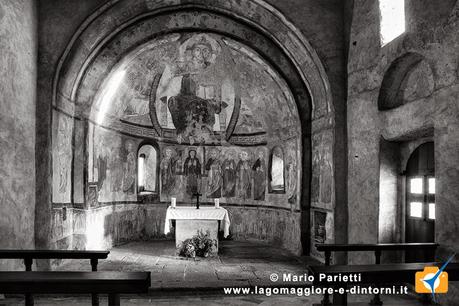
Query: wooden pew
377	248
382	274
29	255
111	283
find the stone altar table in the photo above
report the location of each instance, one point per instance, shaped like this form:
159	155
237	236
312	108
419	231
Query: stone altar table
190	220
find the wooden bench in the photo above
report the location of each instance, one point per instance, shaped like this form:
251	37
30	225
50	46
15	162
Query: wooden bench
377	248
29	255
377	274
111	283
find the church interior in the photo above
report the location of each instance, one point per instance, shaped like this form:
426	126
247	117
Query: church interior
192	146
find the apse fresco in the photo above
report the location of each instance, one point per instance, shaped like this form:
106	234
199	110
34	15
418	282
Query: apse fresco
233	174
200	88
190	93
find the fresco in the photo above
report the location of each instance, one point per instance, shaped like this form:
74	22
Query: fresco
259	169
192	93
291	169
216	172
62	158
114	165
200	88
322	174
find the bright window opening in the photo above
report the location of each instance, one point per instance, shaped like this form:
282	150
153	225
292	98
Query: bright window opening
416	185
416	209
141	172
392	19
432	211
432	185
147	167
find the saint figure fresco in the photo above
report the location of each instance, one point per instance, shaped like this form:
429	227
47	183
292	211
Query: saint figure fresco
129	169
167	174
214	175
229	174
243	176
192	171
259	177
194	90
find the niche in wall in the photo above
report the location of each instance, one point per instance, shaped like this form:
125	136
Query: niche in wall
407	79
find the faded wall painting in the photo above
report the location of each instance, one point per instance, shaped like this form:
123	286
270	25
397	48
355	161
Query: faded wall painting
322	172
292	156
114	165
62	157
200	88
214	106
233	174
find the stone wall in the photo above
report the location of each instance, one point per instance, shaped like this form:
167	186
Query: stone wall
430	111
18	72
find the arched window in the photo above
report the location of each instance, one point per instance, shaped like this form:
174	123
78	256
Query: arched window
276	171
147	169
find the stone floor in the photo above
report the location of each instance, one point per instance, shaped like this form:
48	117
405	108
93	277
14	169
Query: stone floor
180	281
238	264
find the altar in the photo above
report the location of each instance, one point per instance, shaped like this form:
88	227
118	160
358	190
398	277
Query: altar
189	220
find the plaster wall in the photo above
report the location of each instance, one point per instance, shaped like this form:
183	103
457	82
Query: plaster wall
18	72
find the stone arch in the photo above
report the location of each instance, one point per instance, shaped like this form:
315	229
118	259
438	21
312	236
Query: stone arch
397	82
84	65
117	14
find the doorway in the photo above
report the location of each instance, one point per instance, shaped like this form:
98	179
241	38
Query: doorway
420	201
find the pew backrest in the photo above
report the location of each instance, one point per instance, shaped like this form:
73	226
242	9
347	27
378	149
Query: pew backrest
377	248
29	255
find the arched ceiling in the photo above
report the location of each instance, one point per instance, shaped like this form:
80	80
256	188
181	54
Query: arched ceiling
196	85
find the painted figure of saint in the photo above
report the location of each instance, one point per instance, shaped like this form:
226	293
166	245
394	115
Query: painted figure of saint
167	174
243	176
259	177
214	175
116	171
129	169
229	175
192	171
291	177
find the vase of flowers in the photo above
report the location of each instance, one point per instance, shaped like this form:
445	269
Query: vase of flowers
201	245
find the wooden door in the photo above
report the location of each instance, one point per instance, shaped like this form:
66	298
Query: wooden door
420	201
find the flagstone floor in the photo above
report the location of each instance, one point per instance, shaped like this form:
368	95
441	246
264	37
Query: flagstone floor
238	264
188	282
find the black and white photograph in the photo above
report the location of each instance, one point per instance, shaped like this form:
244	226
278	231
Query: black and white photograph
229	152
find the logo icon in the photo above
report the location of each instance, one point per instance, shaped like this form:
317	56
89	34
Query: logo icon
432	279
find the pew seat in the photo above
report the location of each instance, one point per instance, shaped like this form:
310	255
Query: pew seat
59	282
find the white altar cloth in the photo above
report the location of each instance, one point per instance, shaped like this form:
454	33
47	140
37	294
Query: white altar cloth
203	213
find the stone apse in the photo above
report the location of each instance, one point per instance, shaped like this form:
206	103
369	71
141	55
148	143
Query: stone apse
152	101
